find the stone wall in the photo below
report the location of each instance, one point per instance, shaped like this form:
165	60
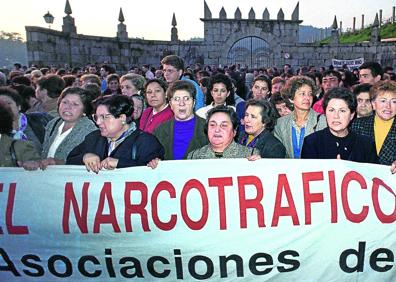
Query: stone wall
50	47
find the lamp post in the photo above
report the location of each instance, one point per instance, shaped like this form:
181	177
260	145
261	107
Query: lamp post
49	19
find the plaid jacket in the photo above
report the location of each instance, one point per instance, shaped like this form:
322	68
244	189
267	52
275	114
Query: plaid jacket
365	126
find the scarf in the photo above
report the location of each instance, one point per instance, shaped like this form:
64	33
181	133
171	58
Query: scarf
19	133
114	144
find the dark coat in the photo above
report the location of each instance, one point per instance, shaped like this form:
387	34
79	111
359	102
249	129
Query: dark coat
269	146
137	149
324	145
365	126
165	135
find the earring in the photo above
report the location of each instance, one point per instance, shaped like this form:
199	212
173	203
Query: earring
123	122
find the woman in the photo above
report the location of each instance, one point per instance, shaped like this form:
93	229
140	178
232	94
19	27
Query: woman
221	127
25	126
113	84
185	131
221	93
117	143
158	111
259	121
13	153
337	141
261	89
67	131
132	84
302	121
138	106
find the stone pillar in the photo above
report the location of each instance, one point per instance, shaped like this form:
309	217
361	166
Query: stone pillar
174	36
68	21
375	31
354	24
121	28
362	21
335	37
380	17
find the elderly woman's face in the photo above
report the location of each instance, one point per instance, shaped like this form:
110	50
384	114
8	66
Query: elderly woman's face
338	117
11	104
137	108
71	108
155	95
220	131
182	105
252	120
127	88
303	98
109	126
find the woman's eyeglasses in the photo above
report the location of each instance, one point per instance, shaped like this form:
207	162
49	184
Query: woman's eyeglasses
105	117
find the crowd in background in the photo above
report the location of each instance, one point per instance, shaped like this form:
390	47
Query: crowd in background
102	119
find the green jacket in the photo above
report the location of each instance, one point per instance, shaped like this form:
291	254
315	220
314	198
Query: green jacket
165	134
24	151
283	129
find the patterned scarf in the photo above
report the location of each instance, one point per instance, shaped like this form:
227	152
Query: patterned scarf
19	134
114	144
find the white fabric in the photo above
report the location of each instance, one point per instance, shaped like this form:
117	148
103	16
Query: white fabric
58	140
197	211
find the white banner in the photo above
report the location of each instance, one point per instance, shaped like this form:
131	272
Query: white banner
351	64
278	220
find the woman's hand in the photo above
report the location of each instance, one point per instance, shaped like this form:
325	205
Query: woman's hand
393	167
29	165
153	163
254	157
92	162
50	161
109	163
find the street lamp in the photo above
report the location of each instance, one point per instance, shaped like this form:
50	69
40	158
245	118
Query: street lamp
49	19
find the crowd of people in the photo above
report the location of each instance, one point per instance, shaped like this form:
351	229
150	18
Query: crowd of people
95	117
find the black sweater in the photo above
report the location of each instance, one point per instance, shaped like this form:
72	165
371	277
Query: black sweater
136	150
353	147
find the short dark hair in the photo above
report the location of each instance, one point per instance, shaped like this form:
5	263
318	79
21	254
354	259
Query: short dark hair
69	79
332	73
85	96
174	61
6	119
181	85
93	78
162	83
21	80
12	94
267	112
222	109
374	67
359	88
94	89
117	105
112	77
265	79
53	83
343	94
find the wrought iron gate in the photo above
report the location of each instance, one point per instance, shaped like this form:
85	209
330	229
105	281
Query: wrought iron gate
251	51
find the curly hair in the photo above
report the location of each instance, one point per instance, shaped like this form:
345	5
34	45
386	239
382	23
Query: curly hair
295	83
